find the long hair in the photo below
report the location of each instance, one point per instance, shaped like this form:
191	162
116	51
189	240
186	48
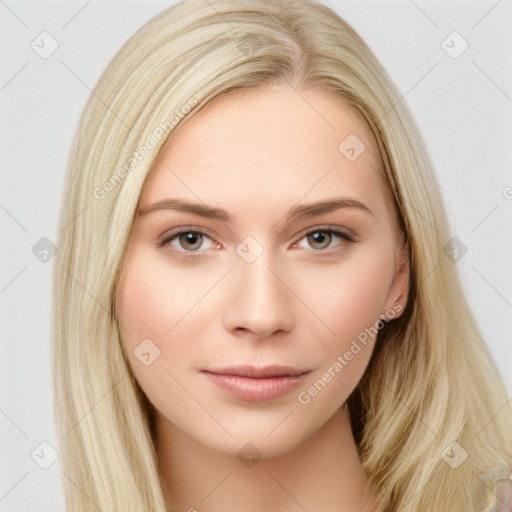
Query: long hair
431	393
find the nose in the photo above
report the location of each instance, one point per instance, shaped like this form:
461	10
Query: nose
259	301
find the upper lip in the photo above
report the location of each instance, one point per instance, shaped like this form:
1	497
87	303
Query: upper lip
258	372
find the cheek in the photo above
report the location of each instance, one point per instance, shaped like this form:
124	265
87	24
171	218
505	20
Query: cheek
348	297
155	294
143	308
168	305
349	302
154	301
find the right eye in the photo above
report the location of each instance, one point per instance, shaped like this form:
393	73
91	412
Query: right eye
187	240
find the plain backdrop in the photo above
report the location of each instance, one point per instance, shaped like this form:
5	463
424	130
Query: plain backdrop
462	101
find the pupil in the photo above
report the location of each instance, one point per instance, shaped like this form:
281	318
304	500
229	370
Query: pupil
321	238
192	240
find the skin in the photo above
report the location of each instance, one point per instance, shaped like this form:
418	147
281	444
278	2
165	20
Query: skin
301	302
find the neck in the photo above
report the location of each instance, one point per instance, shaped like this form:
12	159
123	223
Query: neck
323	473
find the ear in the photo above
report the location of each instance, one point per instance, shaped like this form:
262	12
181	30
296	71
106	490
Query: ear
397	297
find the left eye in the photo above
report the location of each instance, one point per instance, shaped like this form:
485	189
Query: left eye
323	238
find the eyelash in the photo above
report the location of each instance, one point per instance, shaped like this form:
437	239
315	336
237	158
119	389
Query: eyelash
173	234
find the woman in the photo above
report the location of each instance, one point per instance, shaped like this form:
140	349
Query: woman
253	310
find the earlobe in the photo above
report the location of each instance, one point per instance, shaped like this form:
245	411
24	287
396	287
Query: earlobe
397	298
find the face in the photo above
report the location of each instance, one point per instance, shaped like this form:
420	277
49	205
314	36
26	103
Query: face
258	268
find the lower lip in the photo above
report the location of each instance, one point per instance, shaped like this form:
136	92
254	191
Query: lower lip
256	390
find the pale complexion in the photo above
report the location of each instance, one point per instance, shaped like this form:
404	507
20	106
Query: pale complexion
300	303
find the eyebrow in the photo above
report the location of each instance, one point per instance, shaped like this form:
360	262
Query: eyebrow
299	212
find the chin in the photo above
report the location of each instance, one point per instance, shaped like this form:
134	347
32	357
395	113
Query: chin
257	440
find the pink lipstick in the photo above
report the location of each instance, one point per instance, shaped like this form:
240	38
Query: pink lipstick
257	384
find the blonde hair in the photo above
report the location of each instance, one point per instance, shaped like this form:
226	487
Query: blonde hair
431	381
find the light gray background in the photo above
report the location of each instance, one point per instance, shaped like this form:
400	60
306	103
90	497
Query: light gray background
463	107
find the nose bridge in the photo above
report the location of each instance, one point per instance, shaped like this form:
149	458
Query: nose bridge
261	303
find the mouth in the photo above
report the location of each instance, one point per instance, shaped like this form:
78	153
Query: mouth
257	384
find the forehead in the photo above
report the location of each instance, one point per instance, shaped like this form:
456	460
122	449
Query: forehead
269	147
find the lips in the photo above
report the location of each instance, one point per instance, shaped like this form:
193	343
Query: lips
262	372
257	384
